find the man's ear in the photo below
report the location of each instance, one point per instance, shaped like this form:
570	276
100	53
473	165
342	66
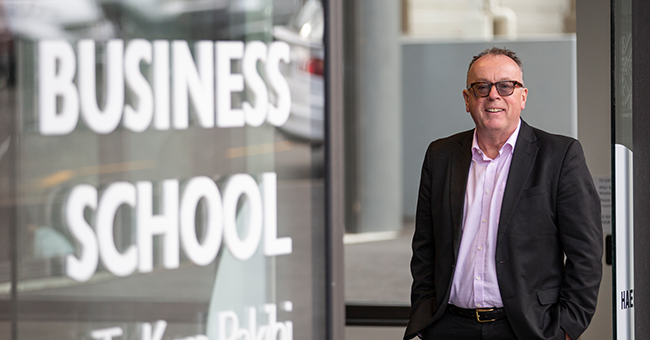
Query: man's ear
524	96
466	98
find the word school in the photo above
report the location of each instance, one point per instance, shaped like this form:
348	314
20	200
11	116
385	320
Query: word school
176	223
208	81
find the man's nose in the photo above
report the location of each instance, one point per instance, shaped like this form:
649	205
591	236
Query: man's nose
493	92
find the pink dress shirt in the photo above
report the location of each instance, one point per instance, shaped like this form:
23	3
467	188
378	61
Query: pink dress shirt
475	279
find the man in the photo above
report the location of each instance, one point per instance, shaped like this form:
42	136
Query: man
508	241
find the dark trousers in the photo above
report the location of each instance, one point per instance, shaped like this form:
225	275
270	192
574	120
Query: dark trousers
454	327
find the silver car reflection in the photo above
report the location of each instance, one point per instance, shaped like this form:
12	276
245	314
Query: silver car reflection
304	73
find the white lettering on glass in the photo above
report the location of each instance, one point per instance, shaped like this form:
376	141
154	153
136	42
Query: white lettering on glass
197	82
272	244
175	223
255	114
83	267
236	187
106	120
196	189
164	224
107	333
137	120
228	328
154	333
161	85
228	82
114	196
206	80
53	55
278	115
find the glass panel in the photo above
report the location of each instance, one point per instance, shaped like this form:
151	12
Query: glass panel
622	172
7	156
5	330
623	73
169	169
405	91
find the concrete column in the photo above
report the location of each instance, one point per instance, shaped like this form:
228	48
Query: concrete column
379	122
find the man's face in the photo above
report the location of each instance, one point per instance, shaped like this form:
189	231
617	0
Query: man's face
495	114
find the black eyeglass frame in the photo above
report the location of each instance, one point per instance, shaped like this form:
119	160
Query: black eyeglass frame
514	82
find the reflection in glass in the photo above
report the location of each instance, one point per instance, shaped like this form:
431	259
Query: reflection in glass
85	191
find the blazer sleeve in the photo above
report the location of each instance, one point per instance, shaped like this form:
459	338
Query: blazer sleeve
423	294
580	233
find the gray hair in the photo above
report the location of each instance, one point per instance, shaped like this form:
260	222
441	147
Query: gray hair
498	51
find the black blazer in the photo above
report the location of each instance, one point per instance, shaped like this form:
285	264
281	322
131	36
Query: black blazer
550	210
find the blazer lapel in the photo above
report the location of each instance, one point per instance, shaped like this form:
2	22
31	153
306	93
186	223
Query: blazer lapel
460	162
523	160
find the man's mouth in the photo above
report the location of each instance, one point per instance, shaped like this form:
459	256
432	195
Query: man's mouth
494	110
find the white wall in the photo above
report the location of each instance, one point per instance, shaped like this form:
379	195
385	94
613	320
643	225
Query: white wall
462	18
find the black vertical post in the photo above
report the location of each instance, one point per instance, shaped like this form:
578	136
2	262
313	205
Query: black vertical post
334	176
641	142
9	148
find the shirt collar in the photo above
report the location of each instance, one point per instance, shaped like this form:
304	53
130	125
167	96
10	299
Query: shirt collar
509	145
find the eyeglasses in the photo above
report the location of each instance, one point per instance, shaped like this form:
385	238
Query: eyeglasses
505	88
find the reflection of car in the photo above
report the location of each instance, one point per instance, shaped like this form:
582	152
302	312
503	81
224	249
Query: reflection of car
179	19
304	34
62	19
